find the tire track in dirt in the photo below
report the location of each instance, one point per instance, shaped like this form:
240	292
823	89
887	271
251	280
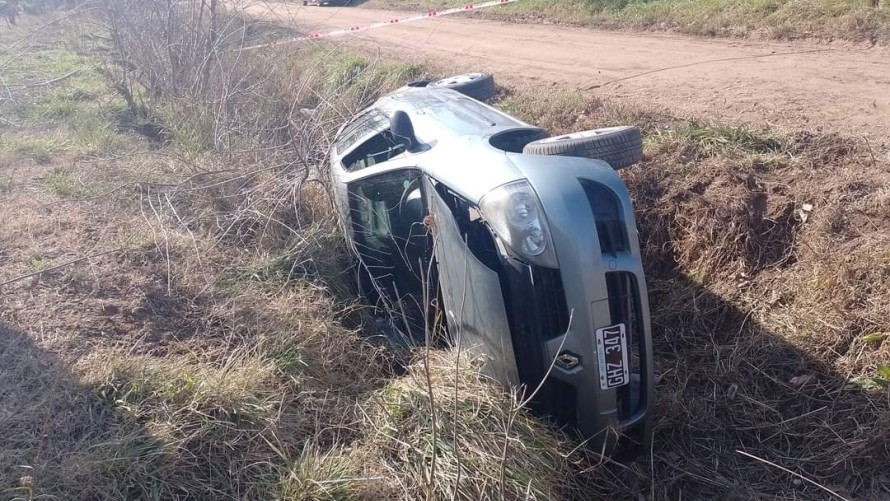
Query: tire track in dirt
792	86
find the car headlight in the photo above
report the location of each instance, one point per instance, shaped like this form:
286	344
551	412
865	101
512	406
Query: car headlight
515	214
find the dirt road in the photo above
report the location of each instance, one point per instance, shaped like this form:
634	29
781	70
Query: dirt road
781	85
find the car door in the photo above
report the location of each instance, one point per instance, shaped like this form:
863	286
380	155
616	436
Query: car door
471	292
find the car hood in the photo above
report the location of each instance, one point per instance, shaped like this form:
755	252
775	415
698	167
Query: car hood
471	167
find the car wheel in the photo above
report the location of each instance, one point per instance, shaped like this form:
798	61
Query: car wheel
479	86
618	146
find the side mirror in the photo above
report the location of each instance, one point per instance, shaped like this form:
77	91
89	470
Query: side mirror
403	130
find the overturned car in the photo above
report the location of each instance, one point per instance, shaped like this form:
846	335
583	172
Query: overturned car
527	243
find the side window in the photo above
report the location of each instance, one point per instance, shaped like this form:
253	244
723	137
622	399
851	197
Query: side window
379	148
377	141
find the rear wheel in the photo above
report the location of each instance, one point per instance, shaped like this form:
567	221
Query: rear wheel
618	146
479	86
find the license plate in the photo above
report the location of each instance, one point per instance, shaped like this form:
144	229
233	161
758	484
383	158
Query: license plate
611	343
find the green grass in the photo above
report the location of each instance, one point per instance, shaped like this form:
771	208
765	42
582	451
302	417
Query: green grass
782	19
571	110
72	107
64	184
41	150
145	385
344	72
190	129
715	139
320	476
67	101
39	264
557	112
41	65
78	115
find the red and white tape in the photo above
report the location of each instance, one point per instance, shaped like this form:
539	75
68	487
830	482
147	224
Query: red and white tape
397	20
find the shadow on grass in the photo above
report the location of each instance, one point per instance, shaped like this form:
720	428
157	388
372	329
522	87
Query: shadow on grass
731	388
195	397
728	384
60	437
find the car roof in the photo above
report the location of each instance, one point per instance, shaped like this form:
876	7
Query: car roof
448	112
458	130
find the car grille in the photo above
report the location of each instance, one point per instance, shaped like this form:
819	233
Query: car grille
553	310
624	307
561	399
537	315
610	226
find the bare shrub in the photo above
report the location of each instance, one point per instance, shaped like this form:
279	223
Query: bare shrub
181	66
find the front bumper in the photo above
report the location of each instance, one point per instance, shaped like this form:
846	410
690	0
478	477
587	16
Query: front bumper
554	314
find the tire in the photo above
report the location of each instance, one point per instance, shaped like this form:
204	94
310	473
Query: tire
618	146
479	86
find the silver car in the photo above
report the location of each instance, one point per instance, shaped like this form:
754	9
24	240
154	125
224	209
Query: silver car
530	251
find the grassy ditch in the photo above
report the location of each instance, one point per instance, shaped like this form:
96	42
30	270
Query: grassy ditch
857	21
178	318
183	324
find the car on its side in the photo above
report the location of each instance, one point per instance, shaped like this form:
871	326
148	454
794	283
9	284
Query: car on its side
527	243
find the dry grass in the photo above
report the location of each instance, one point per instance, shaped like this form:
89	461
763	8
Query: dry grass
178	362
205	341
212	347
733	238
475	427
